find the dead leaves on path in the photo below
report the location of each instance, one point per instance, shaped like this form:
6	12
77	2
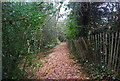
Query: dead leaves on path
59	66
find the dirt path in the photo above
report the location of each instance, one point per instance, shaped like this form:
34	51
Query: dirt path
58	65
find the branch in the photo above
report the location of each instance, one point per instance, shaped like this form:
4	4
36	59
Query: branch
40	3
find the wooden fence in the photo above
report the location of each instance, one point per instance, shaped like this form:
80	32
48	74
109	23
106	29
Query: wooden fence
103	48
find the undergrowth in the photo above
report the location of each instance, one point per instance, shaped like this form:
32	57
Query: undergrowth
32	62
96	71
27	65
93	71
99	71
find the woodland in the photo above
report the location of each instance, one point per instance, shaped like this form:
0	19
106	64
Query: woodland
91	30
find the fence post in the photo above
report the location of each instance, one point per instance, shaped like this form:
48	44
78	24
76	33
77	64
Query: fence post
111	52
101	48
117	58
105	44
114	50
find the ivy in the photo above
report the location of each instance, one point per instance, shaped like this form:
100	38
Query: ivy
23	33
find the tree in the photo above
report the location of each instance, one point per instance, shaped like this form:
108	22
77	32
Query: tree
25	26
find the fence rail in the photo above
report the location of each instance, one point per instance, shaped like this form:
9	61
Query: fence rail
101	48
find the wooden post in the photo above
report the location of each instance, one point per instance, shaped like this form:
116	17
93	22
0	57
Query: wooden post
118	65
109	57
99	54
103	48
117	51
105	44
114	50
96	48
101	51
110	62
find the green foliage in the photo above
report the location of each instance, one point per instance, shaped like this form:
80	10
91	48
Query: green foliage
92	18
50	46
97	71
94	71
70	28
24	26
